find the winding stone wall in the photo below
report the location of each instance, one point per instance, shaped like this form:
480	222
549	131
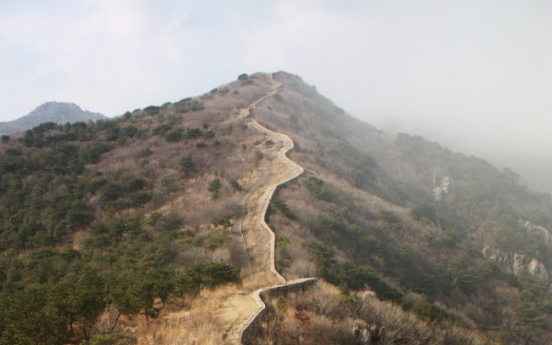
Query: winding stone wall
248	333
246	328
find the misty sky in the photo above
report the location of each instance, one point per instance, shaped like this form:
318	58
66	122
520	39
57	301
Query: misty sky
475	76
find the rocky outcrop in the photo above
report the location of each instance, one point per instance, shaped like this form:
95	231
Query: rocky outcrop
537	268
515	262
440	186
365	334
530	227
366	294
520	262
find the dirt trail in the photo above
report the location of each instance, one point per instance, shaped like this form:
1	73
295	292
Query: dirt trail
258	240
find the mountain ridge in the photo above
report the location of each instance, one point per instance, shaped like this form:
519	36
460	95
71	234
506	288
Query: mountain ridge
58	112
160	212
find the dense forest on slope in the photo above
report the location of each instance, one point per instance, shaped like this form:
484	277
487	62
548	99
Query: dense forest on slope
120	214
110	228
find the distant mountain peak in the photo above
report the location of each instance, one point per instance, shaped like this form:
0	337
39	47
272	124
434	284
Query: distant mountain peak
59	112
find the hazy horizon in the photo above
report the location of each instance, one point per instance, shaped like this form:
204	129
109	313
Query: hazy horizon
474	76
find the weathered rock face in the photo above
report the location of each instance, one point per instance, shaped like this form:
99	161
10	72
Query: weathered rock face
440	186
366	294
537	268
520	262
516	262
530	227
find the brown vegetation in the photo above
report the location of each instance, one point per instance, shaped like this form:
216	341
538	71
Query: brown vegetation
362	218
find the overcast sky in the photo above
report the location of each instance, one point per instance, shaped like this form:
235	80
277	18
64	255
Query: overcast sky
475	76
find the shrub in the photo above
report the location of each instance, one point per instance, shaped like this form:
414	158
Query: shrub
281	305
449	240
111	192
103	124
282	261
102	339
209	274
357	277
530	315
258	155
175	135
425	213
535	285
130	131
218	239
351	231
391	219
136	184
281	243
427	311
277	204
235	184
169	223
224	221
142	133
466	279
314	185
152	110
193	133
145	152
162	129
140	198
324	260
188	104
214	187
186	165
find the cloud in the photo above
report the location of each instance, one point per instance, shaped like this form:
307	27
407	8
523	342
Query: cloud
474	76
102	57
307	37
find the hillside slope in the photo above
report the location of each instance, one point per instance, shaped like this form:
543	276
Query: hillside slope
150	227
412	220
